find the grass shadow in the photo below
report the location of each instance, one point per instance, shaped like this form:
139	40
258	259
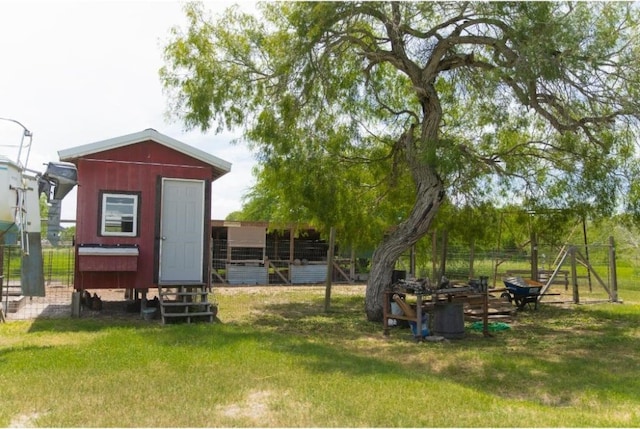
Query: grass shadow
550	356
113	314
546	357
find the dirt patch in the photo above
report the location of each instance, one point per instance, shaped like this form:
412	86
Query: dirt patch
57	304
24	420
254	407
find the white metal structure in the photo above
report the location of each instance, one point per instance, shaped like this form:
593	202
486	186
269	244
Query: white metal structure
20	207
19	202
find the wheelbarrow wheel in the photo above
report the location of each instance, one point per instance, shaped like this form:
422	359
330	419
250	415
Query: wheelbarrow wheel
507	296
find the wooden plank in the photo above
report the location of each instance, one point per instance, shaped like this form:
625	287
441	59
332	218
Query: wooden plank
107	263
184	304
183	293
406	308
275	269
201	313
491	317
215	273
341	271
554	274
479	311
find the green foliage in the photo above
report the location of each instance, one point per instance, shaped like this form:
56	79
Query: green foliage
44	214
350	106
67	235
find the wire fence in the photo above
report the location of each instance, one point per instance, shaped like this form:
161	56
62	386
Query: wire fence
304	261
58	272
591	267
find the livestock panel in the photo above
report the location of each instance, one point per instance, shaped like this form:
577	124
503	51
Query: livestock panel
312	273
247	275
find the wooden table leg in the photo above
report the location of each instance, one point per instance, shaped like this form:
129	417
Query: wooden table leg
418	335
385	313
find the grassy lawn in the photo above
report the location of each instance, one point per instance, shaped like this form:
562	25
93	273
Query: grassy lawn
278	360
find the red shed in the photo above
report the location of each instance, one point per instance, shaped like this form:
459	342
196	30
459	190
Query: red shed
143	212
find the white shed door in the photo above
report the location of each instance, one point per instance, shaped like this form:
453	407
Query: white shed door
181	231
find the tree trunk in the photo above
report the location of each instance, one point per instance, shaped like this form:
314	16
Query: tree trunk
419	147
428	200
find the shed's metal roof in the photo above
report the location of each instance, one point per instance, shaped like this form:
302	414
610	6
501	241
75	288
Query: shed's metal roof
142	136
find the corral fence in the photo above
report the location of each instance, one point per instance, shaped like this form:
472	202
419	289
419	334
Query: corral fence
576	273
251	253
303	263
580	273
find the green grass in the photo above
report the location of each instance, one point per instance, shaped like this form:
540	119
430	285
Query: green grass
58	264
278	360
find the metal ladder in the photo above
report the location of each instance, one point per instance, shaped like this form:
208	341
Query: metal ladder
21	219
24	151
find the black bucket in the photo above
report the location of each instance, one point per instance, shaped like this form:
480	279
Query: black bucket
398	275
448	320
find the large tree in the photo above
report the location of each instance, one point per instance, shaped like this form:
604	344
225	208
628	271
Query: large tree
362	108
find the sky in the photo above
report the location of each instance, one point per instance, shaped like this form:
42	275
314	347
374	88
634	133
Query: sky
78	72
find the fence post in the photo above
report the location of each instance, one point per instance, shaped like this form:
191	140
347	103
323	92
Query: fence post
534	257
612	270
472	254
330	252
574	275
292	251
443	259
412	261
352	264
434	256
586	250
3	306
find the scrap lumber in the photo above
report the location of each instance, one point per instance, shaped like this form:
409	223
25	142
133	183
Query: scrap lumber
406	308
497	308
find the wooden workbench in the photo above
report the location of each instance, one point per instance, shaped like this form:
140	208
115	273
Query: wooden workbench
420	306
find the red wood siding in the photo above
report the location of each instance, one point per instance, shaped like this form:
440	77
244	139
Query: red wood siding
133	168
107	263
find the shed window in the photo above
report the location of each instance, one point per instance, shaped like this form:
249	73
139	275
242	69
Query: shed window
119	214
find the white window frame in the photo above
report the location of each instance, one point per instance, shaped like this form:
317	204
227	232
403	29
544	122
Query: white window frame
103	214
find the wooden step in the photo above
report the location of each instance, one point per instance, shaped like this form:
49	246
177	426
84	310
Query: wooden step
184	304
14	303
15	290
184	293
199	313
181	307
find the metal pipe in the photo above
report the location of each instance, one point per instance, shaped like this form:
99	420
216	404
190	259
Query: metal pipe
25	133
